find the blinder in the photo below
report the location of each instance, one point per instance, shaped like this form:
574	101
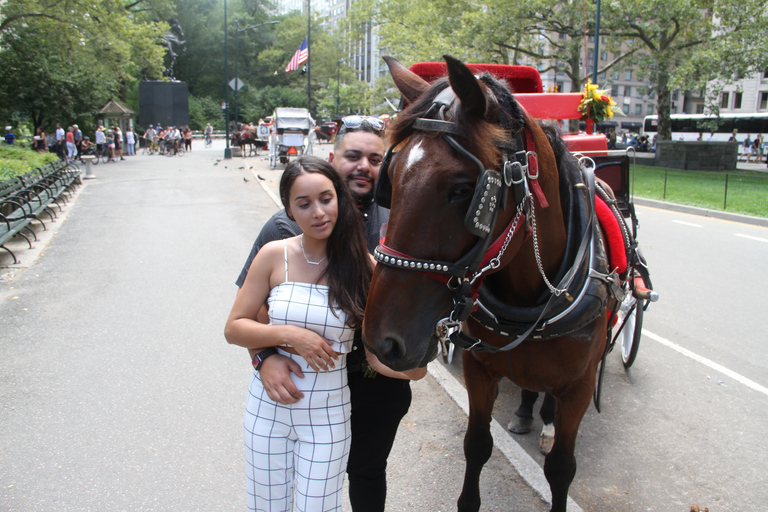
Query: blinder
382	192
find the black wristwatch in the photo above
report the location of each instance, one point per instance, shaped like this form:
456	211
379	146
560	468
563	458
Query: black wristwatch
259	358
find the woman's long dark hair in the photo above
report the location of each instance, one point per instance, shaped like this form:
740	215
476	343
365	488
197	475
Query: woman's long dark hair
349	269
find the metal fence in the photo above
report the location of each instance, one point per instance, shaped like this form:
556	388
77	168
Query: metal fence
738	192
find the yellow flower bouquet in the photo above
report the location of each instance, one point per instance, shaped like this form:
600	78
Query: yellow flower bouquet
596	105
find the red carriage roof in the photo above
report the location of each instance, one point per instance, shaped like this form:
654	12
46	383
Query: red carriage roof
522	79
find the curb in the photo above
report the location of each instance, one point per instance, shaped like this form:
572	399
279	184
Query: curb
703	212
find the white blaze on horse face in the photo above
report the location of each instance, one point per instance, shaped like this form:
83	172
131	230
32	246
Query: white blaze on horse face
416	154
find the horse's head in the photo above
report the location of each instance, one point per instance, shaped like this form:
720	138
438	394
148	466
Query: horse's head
446	175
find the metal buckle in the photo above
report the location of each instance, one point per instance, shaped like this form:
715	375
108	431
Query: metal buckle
535	174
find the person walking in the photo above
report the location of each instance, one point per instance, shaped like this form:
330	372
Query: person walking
187	138
378	402
118	142
69	137
130	142
316	285
78	138
60	141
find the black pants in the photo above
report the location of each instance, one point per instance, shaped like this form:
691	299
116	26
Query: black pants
378	405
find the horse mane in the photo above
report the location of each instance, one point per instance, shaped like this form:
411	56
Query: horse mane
481	138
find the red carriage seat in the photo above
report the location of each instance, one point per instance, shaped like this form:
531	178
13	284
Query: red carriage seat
525	82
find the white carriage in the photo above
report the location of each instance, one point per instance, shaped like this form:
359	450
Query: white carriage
289	135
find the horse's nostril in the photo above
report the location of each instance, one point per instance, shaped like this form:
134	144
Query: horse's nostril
392	350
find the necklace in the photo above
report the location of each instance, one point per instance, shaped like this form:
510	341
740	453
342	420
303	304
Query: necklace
305	253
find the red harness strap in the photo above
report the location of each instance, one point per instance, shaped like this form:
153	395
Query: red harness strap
533	166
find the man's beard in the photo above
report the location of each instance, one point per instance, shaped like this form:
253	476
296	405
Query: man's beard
361	199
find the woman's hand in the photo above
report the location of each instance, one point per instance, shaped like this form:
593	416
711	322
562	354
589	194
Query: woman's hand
311	346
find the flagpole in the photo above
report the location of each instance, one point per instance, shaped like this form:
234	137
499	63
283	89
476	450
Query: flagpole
309	60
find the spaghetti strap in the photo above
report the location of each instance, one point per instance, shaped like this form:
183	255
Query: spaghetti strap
285	255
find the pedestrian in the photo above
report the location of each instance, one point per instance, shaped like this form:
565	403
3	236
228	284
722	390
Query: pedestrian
118	142
99	139
109	140
9	136
208	133
316	286
757	145
41	144
130	141
378	402
59	137
700	137
711	137
69	137
748	147
187	138
78	138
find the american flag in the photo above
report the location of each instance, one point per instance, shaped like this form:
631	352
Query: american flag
301	55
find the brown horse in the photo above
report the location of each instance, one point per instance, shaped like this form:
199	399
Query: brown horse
469	206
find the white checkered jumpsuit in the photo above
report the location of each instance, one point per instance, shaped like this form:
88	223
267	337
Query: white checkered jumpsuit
296	455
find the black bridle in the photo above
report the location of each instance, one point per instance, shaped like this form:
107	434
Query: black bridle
465	275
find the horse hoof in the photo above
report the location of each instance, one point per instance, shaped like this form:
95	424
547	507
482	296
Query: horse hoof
518	425
547	439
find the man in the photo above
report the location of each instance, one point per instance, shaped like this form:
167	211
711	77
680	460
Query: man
378	402
60	147
99	139
78	139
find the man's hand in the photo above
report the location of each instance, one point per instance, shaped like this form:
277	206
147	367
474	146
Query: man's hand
275	375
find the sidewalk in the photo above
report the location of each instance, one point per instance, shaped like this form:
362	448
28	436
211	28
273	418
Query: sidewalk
119	391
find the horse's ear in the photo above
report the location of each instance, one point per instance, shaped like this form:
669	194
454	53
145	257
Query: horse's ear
466	87
408	83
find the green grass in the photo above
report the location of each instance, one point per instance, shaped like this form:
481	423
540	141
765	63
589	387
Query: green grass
747	191
16	160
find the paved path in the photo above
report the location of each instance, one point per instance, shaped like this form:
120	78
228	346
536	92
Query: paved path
118	391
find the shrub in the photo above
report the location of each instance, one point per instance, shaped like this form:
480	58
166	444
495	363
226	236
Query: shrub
16	160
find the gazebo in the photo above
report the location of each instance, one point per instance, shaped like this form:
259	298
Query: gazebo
113	113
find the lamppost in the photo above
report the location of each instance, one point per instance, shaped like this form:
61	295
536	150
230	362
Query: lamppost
227	150
237	46
338	80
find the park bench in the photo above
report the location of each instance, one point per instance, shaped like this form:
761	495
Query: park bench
14	213
29	197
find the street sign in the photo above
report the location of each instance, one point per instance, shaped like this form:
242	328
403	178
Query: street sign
236	84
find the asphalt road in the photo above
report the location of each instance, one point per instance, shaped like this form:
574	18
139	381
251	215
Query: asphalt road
118	392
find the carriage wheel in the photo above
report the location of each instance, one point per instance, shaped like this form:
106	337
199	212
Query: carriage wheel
630	336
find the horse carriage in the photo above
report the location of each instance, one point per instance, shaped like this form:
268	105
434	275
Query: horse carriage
250	140
526	255
289	136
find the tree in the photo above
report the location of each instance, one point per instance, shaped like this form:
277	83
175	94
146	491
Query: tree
63	60
686	45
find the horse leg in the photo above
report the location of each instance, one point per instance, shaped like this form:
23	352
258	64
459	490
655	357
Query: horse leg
522	422
478	442
547	413
560	463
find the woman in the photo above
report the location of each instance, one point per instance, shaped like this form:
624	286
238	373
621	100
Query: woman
187	138
110	142
41	143
315	285
69	136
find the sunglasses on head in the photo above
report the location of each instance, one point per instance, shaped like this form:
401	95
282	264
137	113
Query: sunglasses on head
355	122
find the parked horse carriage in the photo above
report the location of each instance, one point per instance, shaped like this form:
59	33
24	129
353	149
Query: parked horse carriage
289	136
503	242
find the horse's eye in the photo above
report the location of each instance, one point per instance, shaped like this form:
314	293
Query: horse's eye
460	191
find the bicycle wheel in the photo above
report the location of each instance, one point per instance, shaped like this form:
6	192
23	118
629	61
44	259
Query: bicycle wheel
630	334
181	151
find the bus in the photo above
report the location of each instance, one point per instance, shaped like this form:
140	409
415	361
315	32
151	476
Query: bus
689	126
